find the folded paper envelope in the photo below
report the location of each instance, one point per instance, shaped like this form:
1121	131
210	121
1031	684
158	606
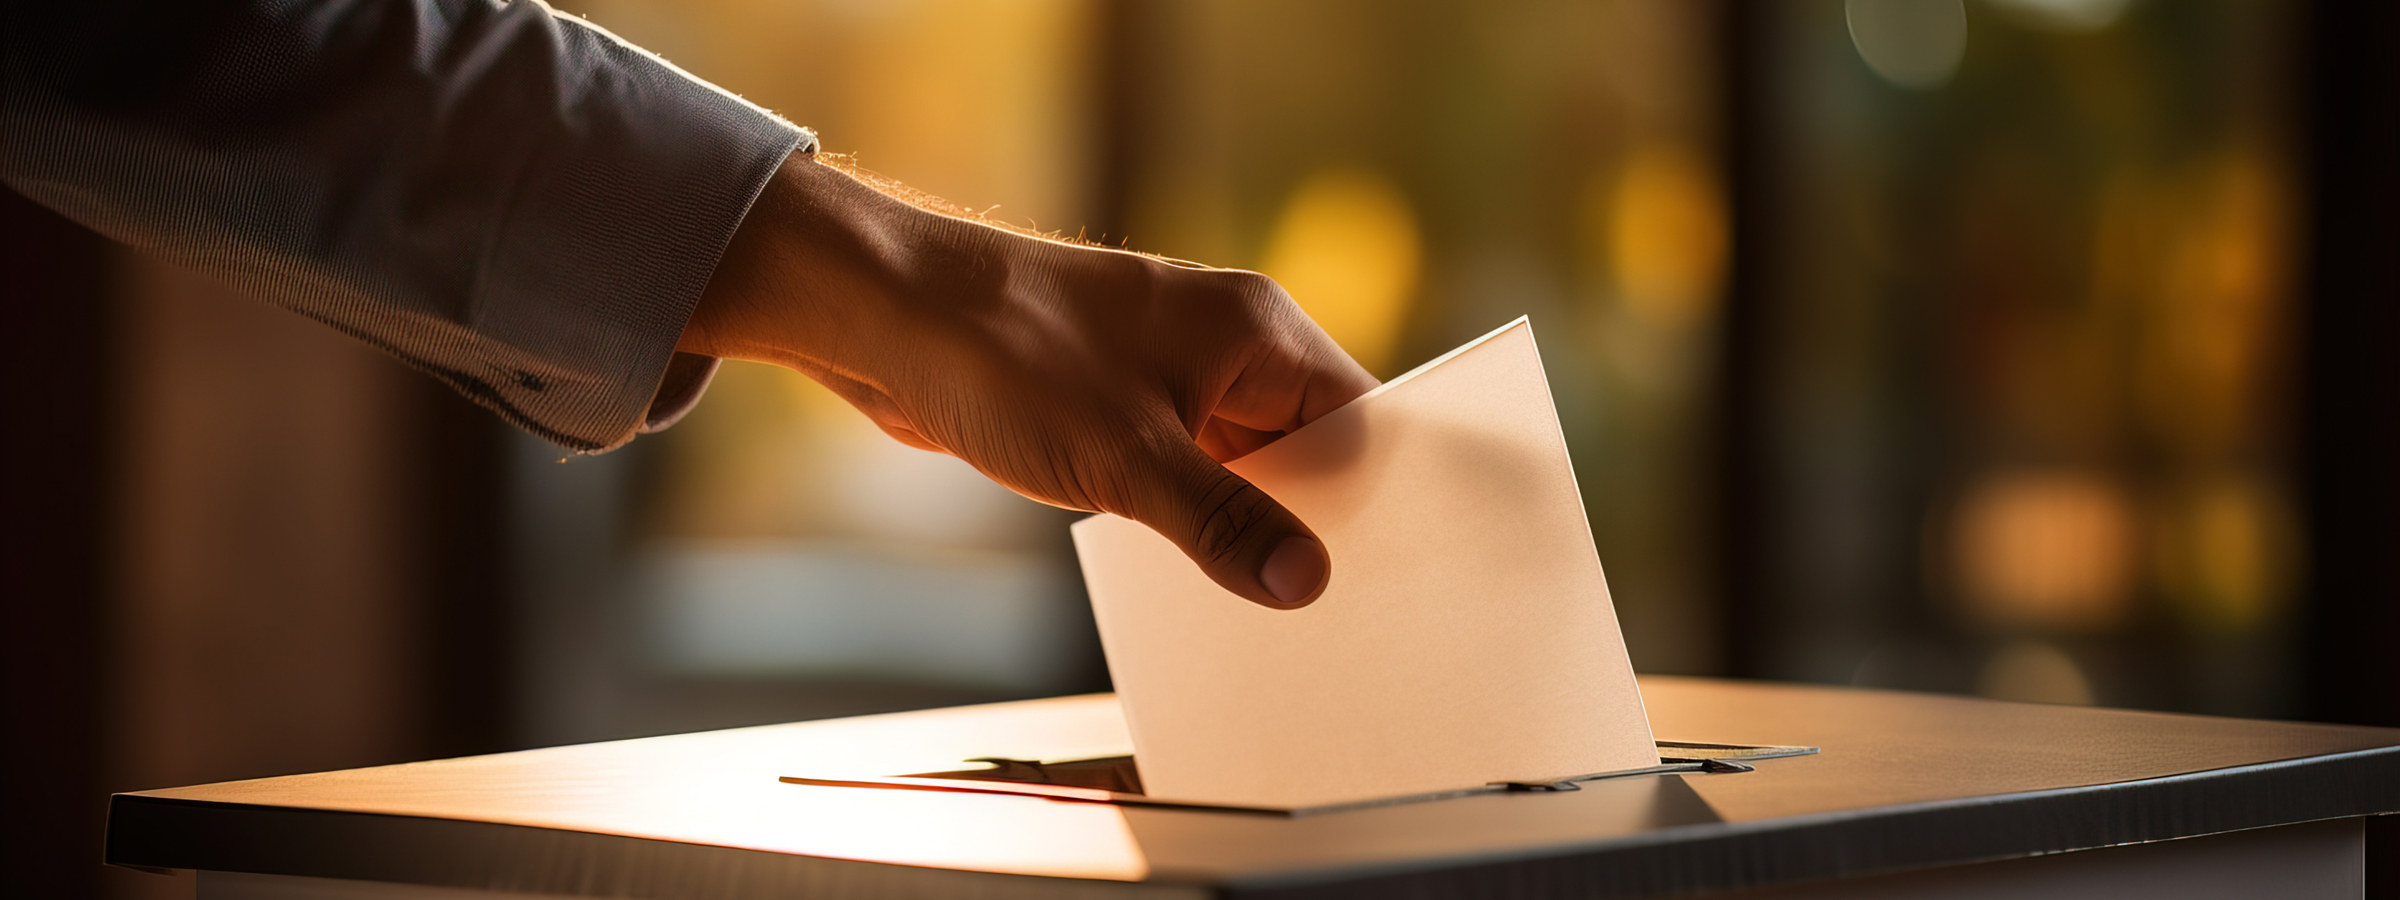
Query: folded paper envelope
1466	637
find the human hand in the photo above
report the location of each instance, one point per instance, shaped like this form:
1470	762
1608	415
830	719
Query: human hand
1082	377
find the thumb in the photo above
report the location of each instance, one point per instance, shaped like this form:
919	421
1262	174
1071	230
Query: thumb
1241	537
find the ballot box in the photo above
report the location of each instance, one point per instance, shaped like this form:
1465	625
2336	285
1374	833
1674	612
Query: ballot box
1906	796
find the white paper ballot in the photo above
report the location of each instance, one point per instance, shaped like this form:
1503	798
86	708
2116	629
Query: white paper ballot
1466	636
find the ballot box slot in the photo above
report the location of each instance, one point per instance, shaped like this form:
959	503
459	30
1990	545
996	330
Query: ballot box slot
1691	751
1118	779
1116	774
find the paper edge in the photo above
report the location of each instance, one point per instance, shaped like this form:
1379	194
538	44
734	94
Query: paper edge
1524	321
1608	592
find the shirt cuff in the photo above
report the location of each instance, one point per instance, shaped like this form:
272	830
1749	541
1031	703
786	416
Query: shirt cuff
613	238
688	375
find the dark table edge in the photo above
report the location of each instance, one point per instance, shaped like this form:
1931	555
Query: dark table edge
167	833
161	833
1850	844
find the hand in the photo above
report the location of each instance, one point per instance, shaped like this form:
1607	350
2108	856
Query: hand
1082	377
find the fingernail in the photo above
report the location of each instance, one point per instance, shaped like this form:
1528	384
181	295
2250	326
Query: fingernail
1295	572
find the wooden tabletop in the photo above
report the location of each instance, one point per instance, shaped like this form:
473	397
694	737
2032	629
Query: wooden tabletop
1904	781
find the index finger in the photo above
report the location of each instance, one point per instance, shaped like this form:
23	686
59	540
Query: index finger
1302	376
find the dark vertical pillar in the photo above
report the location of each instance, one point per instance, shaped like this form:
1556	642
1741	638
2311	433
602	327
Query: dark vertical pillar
54	557
2350	363
1121	36
62	593
461	530
1742	517
2383	858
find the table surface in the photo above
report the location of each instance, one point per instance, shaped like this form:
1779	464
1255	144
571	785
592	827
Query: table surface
1905	781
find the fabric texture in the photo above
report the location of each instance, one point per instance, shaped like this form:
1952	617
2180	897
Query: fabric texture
512	200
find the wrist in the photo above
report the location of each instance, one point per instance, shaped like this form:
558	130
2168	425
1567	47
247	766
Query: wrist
818	255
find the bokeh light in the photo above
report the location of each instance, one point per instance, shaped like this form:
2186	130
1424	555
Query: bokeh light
1912	43
1346	247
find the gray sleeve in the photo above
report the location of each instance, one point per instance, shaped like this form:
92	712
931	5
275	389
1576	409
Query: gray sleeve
514	201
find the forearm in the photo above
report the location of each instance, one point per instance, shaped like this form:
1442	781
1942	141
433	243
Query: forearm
831	265
817	252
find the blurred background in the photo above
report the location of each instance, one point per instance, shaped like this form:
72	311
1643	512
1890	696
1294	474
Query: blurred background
2035	349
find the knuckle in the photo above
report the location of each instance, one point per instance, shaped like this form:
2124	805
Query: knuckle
1234	302
1233	288
1260	293
1252	284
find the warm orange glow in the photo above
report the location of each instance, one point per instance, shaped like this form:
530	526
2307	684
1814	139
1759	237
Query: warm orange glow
1666	236
1346	247
2050	551
2219	261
